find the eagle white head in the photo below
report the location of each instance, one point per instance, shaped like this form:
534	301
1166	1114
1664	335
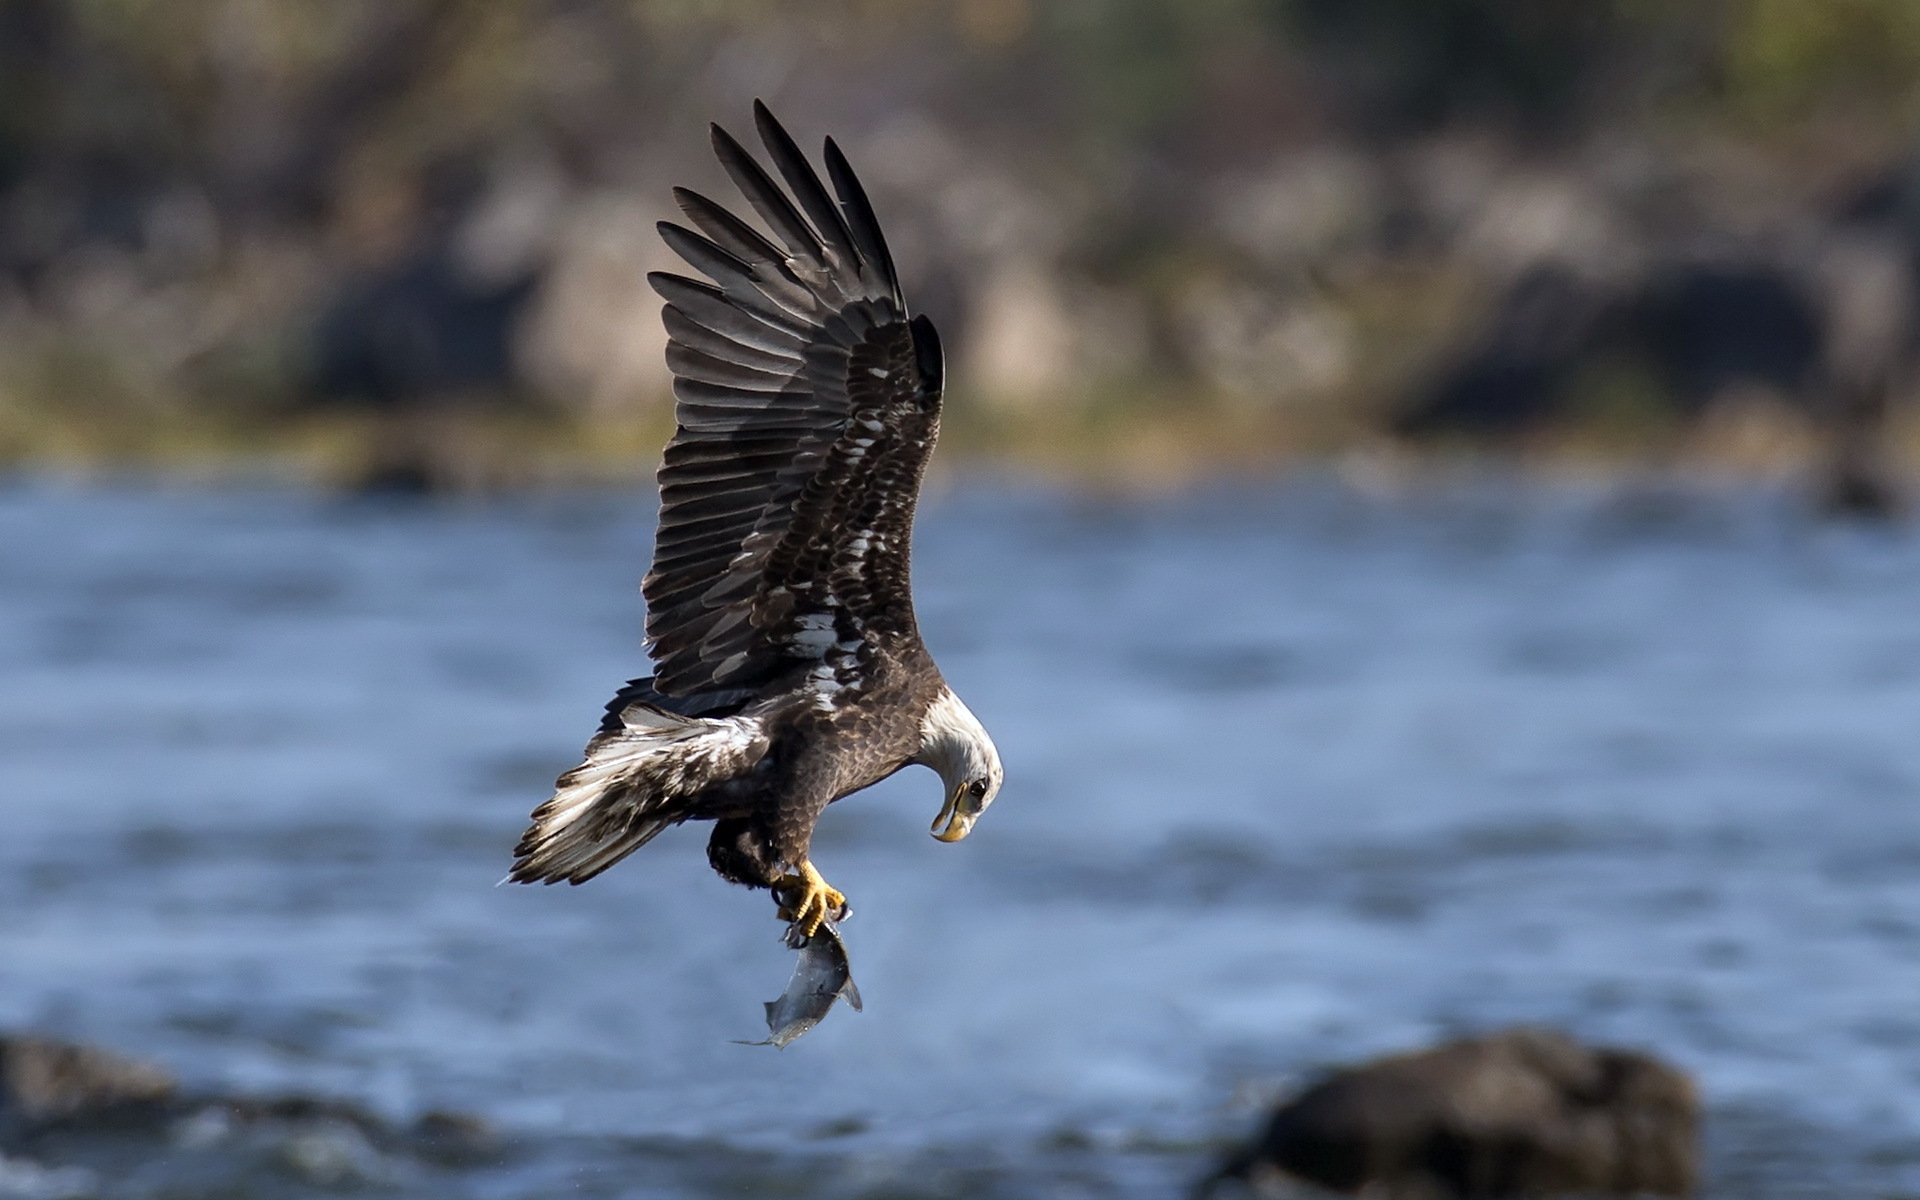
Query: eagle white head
954	743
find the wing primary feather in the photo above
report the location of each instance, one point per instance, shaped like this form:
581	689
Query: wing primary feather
693	495
761	450
800	176
861	221
688	332
707	305
702	252
696	511
689	362
739	281
740	239
707	531
770	400
765	196
753	284
704	483
700	300
733	423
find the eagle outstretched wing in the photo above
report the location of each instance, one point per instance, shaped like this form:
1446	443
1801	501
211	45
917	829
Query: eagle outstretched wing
808	403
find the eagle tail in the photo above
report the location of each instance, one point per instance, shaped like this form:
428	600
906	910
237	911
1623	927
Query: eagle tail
634	782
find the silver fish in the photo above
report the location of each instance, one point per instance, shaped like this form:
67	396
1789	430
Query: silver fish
821	977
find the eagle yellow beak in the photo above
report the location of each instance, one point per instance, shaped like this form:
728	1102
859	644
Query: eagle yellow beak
957	814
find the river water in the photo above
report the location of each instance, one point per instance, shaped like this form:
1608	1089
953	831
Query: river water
1293	776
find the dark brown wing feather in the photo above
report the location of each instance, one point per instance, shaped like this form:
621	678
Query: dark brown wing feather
808	402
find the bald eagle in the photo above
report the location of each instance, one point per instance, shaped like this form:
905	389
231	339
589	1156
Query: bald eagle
788	669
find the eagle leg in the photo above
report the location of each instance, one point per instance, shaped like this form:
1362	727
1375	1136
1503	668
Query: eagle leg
807	899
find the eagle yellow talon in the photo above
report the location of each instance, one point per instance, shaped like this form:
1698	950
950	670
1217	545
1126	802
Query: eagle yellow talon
812	899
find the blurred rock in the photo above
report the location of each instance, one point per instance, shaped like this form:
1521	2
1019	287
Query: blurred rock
43	1080
72	1113
430	334
593	338
24	1179
1701	329
1824	333
453	1138
418	331
1023	346
1519	1113
332	1153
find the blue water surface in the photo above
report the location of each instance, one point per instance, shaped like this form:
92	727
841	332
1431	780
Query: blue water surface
1294	776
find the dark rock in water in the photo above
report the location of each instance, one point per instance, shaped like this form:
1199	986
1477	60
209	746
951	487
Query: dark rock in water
42	1080
73	1119
454	1139
1520	1113
1864	496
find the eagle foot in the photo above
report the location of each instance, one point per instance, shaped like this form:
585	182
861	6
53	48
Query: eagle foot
807	900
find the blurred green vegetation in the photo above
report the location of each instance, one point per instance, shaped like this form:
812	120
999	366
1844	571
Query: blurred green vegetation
189	187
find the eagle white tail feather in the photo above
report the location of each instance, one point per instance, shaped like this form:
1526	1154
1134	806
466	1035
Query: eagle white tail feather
629	788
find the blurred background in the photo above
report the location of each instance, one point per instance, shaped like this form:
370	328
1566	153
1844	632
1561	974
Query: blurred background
381	239
1381	516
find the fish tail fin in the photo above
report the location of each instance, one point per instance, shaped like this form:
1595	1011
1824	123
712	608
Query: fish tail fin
634	782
